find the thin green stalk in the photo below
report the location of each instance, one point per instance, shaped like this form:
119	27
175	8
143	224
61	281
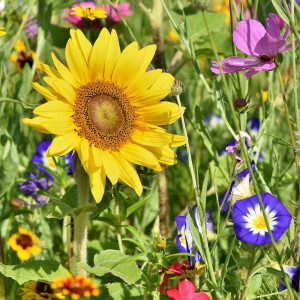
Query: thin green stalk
248	279
81	221
118	225
255	10
191	167
148	276
5	99
292	23
3	261
244	153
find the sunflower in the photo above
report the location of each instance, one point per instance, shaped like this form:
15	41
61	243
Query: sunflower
39	291
23	57
76	287
1	31
25	243
107	107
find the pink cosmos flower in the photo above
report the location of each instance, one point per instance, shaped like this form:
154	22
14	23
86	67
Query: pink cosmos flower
186	291
254	40
77	21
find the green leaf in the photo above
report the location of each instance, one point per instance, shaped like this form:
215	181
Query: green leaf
131	209
121	291
59	36
25	87
254	285
280	10
112	261
69	205
9	160
35	270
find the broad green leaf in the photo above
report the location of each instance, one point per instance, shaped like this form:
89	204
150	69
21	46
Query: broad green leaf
35	270
121	291
112	261
59	36
9	160
255	285
136	206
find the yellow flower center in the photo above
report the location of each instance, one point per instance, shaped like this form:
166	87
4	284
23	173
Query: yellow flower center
24	241
50	163
259	223
103	115
87	12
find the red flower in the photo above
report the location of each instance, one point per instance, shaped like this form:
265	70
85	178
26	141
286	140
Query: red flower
186	291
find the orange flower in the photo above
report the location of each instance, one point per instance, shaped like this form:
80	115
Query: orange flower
76	286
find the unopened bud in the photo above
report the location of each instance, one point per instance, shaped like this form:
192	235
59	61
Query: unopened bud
15	203
201	4
177	88
240	105
211	236
161	242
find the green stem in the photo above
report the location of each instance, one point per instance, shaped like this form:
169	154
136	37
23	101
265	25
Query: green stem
81	221
191	167
118	224
3	261
148	276
248	279
244	153
255	10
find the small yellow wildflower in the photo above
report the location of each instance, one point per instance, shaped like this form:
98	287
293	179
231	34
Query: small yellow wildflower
89	12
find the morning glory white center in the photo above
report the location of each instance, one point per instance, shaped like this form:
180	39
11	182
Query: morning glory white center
256	222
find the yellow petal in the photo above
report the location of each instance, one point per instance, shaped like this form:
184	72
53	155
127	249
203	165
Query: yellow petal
58	125
127	53
113	53
54	109
128	173
35	123
83	150
160	114
96	156
61	145
76	62
51	72
49	93
24	255
98	55
64	72
97	184
35	250
165	155
65	89
140	156
82	43
110	166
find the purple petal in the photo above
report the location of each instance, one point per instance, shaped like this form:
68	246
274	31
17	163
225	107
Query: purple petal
42	184
180	221
273	26
247	35
234	64
288	46
226	204
269	46
27	188
263	66
287	31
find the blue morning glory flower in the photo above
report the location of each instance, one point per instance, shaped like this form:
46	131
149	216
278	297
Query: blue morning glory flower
294	273
184	240
39	157
249	223
239	189
253	125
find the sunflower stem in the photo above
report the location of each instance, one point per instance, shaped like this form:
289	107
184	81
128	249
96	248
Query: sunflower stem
118	224
81	221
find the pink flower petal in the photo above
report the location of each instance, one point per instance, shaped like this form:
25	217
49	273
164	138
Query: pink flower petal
186	289
247	35
287	31
269	46
288	46
200	296
173	294
234	64
273	26
263	66
123	9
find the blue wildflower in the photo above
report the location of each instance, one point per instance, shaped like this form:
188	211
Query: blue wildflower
249	223
239	189
213	120
29	187
40	157
184	240
294	274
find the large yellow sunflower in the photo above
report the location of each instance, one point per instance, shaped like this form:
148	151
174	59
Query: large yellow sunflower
107	107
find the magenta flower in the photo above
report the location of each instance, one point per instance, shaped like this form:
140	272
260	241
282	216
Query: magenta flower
254	40
77	21
186	291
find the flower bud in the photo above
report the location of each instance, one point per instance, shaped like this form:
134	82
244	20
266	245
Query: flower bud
161	242
177	88
201	4
241	105
16	204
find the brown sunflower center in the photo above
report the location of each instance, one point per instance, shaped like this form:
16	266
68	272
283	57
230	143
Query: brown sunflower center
42	287
103	115
24	241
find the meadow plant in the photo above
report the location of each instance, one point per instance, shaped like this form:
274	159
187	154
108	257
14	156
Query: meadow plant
149	150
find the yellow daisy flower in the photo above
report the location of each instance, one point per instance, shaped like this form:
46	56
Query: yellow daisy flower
1	31
23	57
25	243
89	12
39	291
107	107
76	287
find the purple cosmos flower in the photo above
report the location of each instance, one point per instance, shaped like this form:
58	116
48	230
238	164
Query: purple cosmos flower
239	189
254	40
249	223
40	157
184	240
